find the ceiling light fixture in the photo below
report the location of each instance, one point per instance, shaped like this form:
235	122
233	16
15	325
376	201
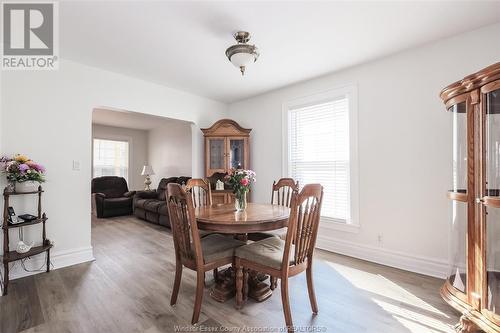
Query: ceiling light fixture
242	54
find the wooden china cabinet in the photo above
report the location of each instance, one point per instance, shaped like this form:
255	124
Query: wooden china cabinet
226	147
473	283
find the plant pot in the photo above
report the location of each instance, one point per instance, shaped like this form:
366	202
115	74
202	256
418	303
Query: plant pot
27	186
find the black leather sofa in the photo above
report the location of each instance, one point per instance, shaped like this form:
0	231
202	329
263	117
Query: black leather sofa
112	197
152	205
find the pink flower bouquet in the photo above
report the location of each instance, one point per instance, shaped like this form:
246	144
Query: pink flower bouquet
240	181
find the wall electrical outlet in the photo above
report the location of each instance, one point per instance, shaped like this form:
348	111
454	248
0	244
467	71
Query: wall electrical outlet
76	165
380	239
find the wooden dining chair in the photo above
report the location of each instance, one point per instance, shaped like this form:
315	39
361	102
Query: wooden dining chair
201	194
283	190
191	251
281	194
283	259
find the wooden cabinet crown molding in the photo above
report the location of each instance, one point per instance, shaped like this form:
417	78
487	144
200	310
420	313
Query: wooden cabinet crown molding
471	82
226	127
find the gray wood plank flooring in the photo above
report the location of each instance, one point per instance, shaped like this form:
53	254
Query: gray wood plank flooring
127	289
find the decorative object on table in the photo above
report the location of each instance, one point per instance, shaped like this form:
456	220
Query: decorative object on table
22	173
219	185
240	181
147	171
473	279
18	254
242	54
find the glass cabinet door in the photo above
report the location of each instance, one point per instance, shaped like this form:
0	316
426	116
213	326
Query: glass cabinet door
492	200
458	236
458	246
216	154
492	100
493	259
236	153
459	147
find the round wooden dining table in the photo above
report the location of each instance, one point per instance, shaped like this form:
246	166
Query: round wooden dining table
223	218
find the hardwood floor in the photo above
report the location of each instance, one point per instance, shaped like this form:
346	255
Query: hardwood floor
127	289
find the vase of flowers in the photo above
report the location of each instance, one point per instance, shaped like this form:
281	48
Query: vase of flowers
240	181
22	172
240	202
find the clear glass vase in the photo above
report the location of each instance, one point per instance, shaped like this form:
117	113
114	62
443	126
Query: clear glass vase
240	201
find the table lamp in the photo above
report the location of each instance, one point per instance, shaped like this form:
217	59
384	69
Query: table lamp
147	171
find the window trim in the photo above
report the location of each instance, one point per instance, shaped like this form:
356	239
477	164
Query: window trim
351	91
118	138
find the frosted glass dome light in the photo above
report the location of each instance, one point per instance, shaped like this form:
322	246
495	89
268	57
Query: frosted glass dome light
242	54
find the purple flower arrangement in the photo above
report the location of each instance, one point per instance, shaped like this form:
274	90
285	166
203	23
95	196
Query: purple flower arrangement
20	169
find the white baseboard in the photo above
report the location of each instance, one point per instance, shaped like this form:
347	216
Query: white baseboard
59	260
380	255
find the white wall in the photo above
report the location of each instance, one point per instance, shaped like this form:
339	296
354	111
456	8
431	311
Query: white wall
404	142
138	149
404	147
169	151
47	115
1	112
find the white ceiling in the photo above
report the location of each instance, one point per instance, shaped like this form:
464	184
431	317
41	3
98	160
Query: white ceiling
127	119
182	44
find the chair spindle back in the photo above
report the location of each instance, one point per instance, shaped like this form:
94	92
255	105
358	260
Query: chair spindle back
283	191
303	223
182	219
200	191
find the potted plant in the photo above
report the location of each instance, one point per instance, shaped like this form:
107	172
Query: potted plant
240	181
22	173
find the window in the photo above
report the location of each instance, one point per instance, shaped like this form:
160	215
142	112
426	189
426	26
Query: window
321	148
111	158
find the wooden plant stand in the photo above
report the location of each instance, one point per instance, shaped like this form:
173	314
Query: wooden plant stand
11	256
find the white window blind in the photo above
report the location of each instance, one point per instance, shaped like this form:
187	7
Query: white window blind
319	152
111	158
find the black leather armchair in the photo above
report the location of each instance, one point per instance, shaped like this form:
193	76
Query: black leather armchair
112	197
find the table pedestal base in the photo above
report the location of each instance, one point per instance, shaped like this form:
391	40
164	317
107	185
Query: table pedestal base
225	288
258	290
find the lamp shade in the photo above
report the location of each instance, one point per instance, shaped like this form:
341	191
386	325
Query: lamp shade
242	59
147	170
